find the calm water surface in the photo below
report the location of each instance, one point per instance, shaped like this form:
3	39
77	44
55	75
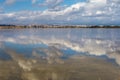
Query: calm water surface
60	54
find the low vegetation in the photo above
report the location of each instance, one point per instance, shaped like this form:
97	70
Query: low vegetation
53	26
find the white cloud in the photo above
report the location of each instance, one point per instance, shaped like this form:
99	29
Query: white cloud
51	4
98	1
9	2
34	1
91	12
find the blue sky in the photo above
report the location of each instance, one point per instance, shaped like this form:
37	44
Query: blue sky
68	12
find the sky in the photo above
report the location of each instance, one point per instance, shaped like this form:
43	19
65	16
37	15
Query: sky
62	12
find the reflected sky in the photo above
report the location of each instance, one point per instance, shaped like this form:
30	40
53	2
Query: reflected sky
96	42
30	47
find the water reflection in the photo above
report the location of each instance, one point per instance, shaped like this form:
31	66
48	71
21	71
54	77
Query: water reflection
60	54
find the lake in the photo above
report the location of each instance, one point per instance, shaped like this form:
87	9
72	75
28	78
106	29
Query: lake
60	54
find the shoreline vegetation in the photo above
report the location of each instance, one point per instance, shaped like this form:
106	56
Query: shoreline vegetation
55	26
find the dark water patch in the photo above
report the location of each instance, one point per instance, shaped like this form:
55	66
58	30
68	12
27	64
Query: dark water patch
25	49
4	56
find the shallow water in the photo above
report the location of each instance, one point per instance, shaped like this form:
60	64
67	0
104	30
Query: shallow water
60	54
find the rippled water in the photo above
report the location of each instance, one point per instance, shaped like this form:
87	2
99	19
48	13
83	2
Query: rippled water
60	54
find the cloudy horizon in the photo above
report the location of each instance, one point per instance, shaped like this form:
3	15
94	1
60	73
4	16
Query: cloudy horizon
63	12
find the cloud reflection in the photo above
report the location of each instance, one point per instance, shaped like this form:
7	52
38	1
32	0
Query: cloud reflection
48	61
91	46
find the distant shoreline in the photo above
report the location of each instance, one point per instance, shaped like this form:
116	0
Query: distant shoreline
51	26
